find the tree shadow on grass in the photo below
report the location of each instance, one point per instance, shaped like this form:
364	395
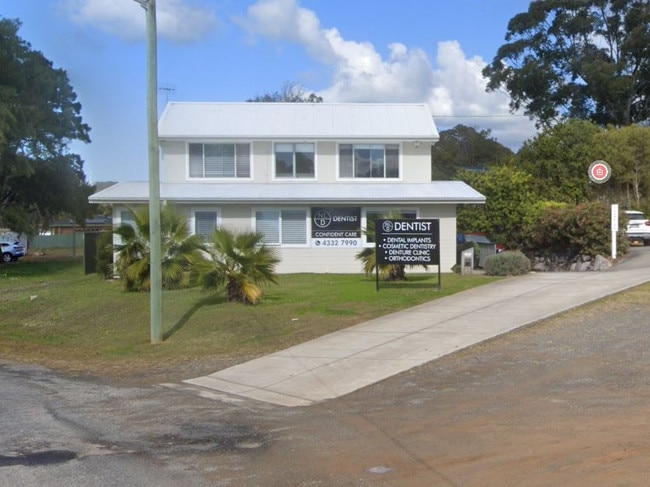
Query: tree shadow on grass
207	301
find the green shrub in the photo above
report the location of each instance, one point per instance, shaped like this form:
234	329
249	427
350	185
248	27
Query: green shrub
510	263
584	229
105	255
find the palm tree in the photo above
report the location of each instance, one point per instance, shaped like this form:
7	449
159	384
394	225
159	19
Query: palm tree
241	262
180	251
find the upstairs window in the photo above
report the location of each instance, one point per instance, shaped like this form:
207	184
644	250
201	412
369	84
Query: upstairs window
220	160
295	161
369	161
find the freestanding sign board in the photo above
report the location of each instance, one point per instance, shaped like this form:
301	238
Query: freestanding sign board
408	242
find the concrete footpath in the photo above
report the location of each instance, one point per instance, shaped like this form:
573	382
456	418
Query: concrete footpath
350	359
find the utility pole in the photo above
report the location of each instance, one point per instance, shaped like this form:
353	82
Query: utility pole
155	262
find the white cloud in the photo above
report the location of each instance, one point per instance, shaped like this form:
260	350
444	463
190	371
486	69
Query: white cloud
177	20
455	88
459	97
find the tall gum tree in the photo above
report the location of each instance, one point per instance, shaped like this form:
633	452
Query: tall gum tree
586	59
39	118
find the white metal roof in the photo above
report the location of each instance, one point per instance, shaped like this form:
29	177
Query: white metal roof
323	121
439	192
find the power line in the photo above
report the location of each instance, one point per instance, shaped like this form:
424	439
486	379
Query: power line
479	116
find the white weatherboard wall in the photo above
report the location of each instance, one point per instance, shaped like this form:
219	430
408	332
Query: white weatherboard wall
326	260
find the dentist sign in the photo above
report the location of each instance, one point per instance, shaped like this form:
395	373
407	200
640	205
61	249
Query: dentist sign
408	242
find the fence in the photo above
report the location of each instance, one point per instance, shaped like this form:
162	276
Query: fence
82	244
73	242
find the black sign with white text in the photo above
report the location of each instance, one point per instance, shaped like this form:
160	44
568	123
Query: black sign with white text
336	222
408	242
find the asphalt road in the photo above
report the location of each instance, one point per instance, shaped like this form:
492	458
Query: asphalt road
563	402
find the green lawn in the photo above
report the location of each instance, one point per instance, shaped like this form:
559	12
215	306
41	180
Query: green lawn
51	313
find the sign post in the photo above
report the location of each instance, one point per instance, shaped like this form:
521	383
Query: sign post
614	229
407	242
599	173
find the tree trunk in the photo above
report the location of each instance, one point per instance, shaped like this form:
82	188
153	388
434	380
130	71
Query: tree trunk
233	290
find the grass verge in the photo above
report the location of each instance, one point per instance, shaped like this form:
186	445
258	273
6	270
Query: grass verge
52	314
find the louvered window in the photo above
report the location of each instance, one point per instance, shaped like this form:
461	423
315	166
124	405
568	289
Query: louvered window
294	227
282	227
205	222
219	160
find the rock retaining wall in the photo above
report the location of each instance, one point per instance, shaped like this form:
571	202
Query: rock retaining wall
565	263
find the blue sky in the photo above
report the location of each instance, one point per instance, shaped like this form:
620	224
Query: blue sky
230	50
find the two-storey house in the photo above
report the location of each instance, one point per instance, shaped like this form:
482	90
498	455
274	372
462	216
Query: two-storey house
308	175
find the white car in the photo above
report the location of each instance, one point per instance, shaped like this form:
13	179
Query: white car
638	227
12	251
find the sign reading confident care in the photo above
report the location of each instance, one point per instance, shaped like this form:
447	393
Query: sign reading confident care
336	227
408	242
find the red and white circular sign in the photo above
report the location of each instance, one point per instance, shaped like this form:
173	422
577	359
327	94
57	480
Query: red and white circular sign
599	172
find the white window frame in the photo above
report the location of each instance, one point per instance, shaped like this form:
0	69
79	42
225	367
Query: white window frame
360	144
226	178
280	210
294	177
194	211
385	211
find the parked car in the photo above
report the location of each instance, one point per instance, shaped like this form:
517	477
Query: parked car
638	227
12	251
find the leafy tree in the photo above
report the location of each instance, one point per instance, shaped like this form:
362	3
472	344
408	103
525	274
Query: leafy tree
577	58
39	117
240	262
627	150
509	207
558	159
181	251
465	147
290	93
